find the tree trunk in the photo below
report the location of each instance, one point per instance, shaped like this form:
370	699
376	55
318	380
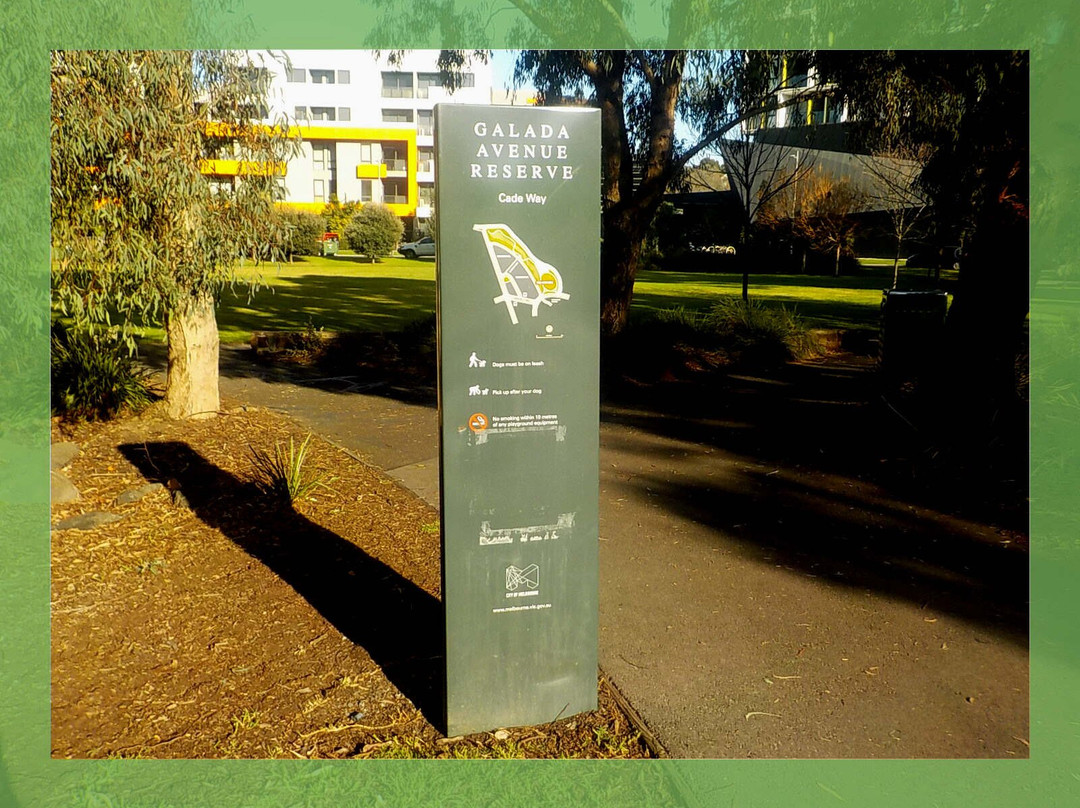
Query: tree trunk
191	386
618	267
743	258
836	264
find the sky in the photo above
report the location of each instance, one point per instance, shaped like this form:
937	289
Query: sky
502	63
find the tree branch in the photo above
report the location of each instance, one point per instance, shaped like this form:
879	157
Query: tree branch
715	135
620	23
540	20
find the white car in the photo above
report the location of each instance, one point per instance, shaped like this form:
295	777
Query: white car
412	249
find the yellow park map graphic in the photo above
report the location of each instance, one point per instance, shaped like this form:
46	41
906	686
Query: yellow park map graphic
523	278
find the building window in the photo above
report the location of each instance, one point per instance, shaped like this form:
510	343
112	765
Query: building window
833	110
426	195
425	159
344	114
300	113
323	114
393	158
397	85
394	192
343	77
256	78
321	157
296	75
254	112
322	76
365	190
221	185
800	114
320	190
397	115
468	80
425	122
366	154
797	72
425	81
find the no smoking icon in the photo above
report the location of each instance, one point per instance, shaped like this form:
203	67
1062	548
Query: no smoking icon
478	422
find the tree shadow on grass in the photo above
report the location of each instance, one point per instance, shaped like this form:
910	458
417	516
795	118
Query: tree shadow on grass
341	302
395	621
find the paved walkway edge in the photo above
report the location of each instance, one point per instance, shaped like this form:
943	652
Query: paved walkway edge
422	490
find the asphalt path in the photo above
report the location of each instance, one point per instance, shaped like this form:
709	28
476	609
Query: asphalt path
753	605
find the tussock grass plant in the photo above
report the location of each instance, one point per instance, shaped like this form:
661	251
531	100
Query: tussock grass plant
748	332
93	376
281	474
759	333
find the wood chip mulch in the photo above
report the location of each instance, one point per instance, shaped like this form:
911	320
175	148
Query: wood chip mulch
213	621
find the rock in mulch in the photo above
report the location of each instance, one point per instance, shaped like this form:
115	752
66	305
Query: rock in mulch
86	521
63	453
61	489
135	494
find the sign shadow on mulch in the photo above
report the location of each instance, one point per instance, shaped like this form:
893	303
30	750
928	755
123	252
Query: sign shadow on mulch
399	624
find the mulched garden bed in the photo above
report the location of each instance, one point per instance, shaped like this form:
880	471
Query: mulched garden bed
214	621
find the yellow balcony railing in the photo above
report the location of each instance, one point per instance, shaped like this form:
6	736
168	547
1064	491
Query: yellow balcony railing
371	171
234	168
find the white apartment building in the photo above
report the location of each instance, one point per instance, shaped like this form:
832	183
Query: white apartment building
366	125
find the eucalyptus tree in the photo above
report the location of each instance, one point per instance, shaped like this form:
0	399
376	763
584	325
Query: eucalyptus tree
139	233
641	94
968	112
641	86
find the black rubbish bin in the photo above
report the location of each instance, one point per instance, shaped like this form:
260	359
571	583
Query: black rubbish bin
912	331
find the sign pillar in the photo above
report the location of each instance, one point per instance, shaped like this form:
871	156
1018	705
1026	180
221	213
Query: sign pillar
518	218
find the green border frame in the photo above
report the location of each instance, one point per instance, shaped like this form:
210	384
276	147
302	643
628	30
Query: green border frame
28	777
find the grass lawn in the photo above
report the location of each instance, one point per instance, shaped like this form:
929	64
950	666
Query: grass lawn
338	293
346	293
850	301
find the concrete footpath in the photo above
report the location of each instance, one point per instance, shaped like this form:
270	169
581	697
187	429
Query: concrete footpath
749	606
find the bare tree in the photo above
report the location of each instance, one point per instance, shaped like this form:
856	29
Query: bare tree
895	173
823	214
760	172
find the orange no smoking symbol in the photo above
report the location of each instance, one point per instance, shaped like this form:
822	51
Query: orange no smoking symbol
478	422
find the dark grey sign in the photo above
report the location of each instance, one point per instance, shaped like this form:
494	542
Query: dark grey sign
518	213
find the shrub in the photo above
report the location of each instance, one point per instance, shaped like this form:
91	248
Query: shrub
748	333
756	334
304	231
374	231
336	215
94	376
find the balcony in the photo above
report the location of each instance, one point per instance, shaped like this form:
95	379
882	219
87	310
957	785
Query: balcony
371	171
395	199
